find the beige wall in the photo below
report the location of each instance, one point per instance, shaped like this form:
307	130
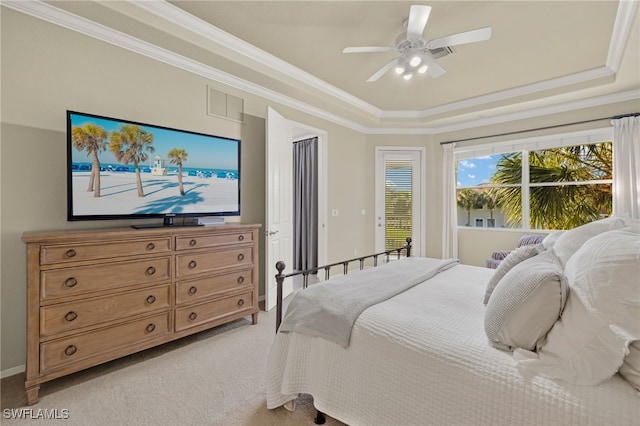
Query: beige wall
46	70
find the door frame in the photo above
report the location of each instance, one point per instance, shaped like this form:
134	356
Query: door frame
303	131
298	131
419	234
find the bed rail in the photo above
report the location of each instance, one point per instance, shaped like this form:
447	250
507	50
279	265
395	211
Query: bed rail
280	266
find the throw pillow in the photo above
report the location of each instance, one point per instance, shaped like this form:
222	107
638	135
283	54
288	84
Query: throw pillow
526	303
516	256
570	241
600	320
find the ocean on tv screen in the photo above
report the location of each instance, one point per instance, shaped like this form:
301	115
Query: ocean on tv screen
205	191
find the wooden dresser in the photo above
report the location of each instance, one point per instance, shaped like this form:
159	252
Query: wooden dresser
97	295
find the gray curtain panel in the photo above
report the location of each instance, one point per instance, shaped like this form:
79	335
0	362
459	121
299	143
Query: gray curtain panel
305	202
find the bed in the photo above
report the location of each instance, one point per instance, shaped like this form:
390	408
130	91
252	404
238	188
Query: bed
430	354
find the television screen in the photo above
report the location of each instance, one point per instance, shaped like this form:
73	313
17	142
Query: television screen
119	169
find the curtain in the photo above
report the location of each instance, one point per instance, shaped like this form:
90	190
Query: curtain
305	204
449	206
626	166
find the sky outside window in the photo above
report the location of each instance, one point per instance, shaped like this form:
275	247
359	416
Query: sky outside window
476	171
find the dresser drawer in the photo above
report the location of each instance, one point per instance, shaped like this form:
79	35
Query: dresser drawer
85	279
105	250
74	315
190	264
58	353
193	290
204	241
193	315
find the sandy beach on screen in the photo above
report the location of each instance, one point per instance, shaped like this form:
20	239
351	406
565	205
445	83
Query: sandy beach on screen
119	194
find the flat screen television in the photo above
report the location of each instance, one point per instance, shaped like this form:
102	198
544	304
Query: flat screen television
121	169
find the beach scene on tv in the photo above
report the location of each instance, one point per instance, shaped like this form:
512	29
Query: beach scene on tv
124	168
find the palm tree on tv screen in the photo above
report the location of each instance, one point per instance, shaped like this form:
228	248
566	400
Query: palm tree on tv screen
178	156
93	139
558	206
132	143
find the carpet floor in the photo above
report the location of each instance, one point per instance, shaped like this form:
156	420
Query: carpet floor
216	377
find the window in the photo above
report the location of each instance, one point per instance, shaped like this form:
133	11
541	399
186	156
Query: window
557	183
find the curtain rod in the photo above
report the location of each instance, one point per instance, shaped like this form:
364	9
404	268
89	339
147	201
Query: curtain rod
615	117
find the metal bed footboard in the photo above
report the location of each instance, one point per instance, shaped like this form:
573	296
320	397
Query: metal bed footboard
280	266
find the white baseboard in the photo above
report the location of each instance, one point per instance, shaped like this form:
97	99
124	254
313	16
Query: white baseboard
12	371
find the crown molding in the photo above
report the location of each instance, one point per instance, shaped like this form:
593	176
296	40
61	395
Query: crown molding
177	16
49	13
621	29
522	115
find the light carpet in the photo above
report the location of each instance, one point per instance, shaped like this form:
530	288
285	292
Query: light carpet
216	377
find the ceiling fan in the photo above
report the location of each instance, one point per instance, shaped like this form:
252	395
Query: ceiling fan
416	54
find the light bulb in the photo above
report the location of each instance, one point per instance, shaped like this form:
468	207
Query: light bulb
399	69
415	61
407	76
423	69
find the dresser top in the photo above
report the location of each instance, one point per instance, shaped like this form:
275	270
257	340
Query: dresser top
116	233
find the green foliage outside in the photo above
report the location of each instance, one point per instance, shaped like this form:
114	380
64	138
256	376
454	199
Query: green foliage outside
398	217
551	206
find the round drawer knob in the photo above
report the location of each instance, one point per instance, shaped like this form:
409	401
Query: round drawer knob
70	253
193	264
240	237
151	270
193	316
70	316
150	328
240	302
193	243
151	299
240	257
193	290
151	246
70	282
240	279
70	350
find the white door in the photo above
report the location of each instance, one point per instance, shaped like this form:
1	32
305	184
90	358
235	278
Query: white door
399	198
279	210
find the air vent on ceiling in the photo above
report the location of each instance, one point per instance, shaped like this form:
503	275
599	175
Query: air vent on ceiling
441	51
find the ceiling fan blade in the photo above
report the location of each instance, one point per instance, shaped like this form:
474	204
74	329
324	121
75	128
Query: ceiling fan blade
382	70
418	17
367	49
472	36
434	69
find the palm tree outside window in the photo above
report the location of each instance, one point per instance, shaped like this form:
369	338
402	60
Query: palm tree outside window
551	188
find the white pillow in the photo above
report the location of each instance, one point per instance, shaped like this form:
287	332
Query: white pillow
630	368
515	257
551	239
570	241
601	318
526	303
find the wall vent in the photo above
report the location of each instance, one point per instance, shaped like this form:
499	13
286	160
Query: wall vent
220	104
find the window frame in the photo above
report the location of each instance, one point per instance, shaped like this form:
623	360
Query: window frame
524	146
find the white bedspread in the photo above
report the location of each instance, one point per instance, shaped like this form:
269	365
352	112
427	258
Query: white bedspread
422	358
330	310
